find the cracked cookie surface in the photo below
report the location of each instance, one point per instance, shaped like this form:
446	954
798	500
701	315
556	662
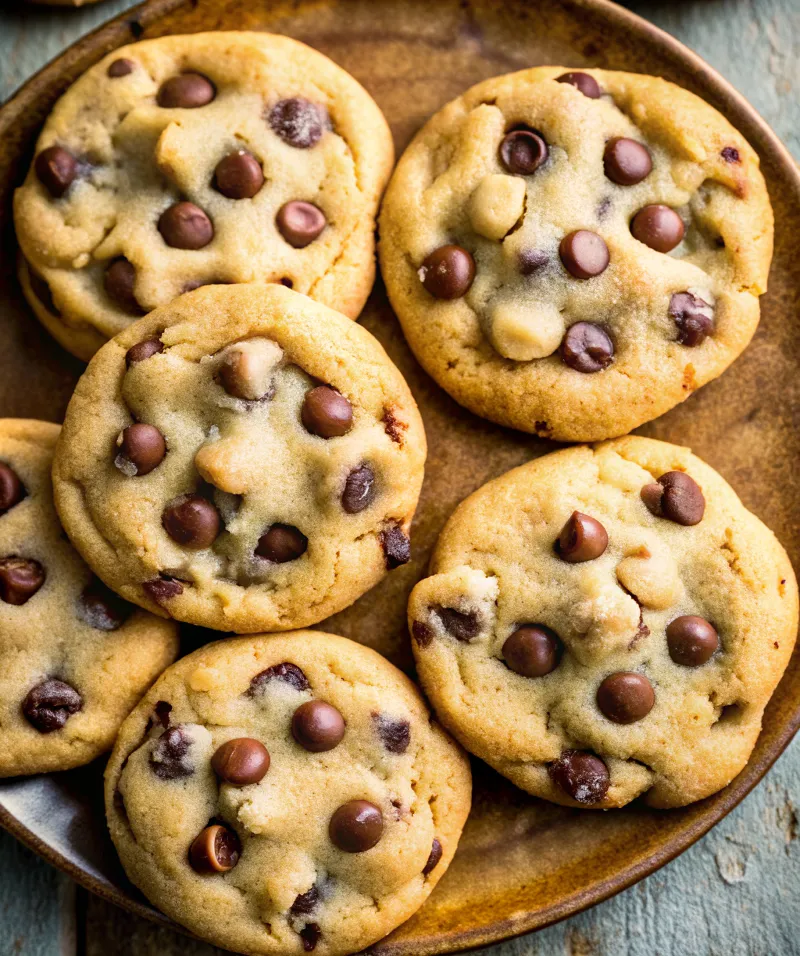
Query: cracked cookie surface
604	623
243	458
582	253
335	802
74	658
187	160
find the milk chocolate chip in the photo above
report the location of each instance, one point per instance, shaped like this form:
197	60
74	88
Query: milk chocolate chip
216	850
185	226
300	222
587	85
532	650
281	543
186	91
50	704
581	775
20	579
298	122
582	538
691	640
241	761
57	169
658	226
326	412
356	826
119	281
192	521
317	726
675	496
587	348
238	175
523	151
625	697
141	448
447	273
11	488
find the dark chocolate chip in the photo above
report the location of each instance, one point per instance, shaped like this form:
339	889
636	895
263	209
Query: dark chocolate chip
464	626
625	697
587	348
241	761
20	579
626	162
582	538
396	546
317	726
359	490
584	254
192	521
57	169
300	222
531	261
523	151
119	281
142	350
238	175
121	67
310	935
393	426
587	85
140	449
162	589
356	826
216	849
691	640
50	704
693	317
170	758
298	122
421	633
281	543
101	608
186	91
533	650
395	732
447	273
162	711
185	226
289	673
677	497
326	412
433	858
305	903
658	226
581	775
12	490
730	154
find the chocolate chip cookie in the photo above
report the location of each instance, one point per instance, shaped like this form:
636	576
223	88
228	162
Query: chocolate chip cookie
285	794
188	160
74	658
243	458
604	623
573	254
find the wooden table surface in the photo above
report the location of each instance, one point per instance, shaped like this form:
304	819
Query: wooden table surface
736	892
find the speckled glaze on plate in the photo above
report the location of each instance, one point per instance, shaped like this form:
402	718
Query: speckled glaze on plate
522	863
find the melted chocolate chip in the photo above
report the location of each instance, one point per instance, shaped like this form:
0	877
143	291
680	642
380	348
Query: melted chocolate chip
20	579
300	223
169	758
356	826
317	726
101	608
582	538
587	85
119	282
186	91
289	673
463	626
310	935
693	317
162	711
298	122
185	226
396	546
677	497
192	521
447	273
523	151
421	633
587	348
57	169
50	704
305	903
140	449
142	351
531	261
584	254
395	733
581	775
216	849
12	491
238	175
162	589
326	412
625	697
241	761
359	490
281	543
393	426
433	859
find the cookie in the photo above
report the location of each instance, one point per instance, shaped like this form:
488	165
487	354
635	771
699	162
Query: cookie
573	254
606	623
74	658
188	160
286	794
243	458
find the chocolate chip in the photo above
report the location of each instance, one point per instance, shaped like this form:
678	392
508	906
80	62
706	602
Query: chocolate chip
317	726
169	758
693	316
447	273
41	290
20	579
142	350
356	826
581	775
300	222
658	226
305	903
588	85
50	704
101	608
12	490
57	169
691	640
119	281
289	673
532	650
238	175
582	538
241	761
192	521
162	589
162	711
730	154
395	733
121	67
463	626
310	935
396	546
297	122
141	448
185	226
359	490
626	162
186	91
393	426
434	857
584	254
587	348
281	543
675	496
523	151
625	697
421	633
216	850
326	412
531	261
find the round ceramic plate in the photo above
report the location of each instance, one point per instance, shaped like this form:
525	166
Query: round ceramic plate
522	863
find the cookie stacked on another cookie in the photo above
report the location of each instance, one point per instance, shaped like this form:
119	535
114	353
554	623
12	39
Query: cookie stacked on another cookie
244	458
186	160
74	658
573	254
606	623
285	794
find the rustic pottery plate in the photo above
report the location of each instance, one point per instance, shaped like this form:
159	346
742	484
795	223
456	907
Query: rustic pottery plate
522	863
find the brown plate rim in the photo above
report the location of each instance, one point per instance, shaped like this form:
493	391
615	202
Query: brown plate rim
128	26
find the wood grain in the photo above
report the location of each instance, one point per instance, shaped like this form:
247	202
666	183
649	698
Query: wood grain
735	893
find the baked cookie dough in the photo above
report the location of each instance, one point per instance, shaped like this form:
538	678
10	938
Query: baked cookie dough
573	254
74	658
243	458
604	623
187	160
286	794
